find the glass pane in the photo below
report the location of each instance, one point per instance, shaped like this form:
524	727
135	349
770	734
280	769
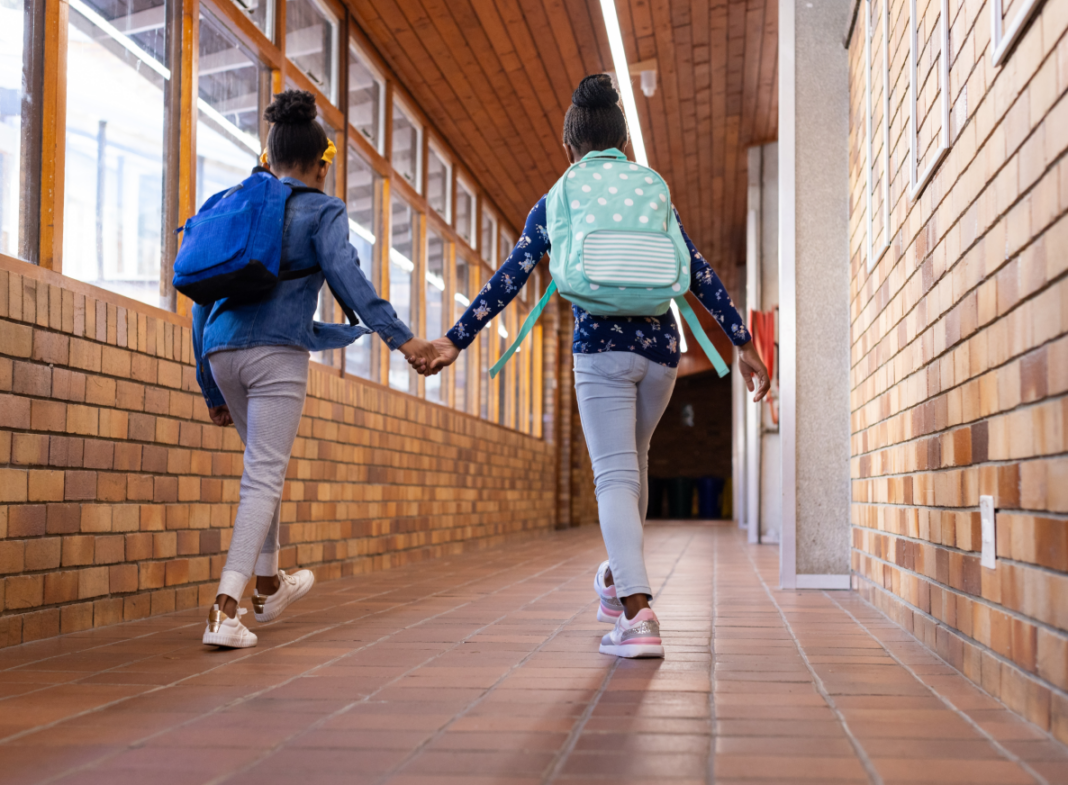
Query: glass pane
465	213
484	381
325	312
462	299
261	12
366	94
17	236
228	120
311	44
113	191
504	378
360	200
435	288
407	144
401	268
488	246
438	183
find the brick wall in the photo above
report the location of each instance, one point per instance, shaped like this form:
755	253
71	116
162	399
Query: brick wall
960	356
704	449
117	494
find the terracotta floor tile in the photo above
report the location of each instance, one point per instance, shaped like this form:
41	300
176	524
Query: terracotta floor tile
467	671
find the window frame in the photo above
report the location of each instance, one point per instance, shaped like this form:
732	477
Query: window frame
268	50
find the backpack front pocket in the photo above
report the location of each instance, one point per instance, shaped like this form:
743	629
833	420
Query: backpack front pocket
637	259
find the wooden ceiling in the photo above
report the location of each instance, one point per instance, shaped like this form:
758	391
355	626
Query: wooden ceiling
495	77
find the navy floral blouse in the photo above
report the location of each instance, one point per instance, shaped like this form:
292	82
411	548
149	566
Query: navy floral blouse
654	337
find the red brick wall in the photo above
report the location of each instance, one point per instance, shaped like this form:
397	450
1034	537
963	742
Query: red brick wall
960	362
118	494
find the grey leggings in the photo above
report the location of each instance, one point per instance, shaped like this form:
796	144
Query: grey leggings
621	398
264	388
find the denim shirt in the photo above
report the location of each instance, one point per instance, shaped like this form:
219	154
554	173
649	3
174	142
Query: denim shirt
316	231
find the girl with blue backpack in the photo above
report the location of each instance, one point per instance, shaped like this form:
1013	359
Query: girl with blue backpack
252	345
618	250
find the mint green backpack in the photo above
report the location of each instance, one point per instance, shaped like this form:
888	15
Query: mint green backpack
616	246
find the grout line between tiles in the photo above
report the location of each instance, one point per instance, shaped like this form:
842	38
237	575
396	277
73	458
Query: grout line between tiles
1004	751
862	754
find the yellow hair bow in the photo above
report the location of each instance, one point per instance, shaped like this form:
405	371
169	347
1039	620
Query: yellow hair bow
328	154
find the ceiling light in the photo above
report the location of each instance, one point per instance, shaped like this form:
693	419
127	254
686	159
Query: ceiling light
682	330
619	59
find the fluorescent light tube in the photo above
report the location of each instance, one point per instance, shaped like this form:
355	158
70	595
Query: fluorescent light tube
360	231
401	260
619	59
682	332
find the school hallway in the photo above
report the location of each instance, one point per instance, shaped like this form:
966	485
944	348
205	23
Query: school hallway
484	669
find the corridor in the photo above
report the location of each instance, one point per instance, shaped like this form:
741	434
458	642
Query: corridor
484	669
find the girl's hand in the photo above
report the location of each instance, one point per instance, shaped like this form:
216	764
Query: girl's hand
753	367
418	352
220	415
447	354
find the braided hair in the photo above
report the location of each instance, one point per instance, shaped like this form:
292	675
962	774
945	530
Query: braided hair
296	139
595	121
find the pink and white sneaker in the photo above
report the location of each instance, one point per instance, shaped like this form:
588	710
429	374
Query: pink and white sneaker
637	637
610	608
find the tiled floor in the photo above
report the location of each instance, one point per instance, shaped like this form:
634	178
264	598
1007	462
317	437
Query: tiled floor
484	669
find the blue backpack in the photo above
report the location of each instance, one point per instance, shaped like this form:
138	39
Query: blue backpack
233	246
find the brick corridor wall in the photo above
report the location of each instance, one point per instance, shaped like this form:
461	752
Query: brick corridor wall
960	360
705	448
117	494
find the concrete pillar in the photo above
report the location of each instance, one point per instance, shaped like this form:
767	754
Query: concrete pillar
814	292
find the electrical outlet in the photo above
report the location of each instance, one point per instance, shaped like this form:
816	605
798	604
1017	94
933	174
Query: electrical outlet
986	517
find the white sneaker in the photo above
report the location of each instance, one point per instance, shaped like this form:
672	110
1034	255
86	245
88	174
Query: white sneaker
290	589
231	633
610	607
637	637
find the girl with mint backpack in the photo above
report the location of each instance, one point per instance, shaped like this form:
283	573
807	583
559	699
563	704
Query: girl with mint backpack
619	251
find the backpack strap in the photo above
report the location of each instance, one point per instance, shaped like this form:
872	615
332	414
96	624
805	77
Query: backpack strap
524	331
699	334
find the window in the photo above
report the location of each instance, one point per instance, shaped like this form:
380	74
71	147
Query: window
505	379
17	138
360	201
407	147
465	212
113	189
435	316
438	183
228	120
366	99
488	246
484	338
261	12
461	299
401	268
311	43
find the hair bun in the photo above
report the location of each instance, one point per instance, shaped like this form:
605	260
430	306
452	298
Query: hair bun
595	92
292	107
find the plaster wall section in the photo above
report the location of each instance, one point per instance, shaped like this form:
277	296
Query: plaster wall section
822	288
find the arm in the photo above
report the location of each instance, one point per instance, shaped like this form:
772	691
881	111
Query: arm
213	396
705	284
505	284
338	260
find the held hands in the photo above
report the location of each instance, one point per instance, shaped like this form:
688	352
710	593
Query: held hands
753	370
444	354
419	352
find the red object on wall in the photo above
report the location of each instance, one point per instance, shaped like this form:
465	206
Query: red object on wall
762	328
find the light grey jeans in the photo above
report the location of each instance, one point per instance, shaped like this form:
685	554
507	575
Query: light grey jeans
621	398
264	388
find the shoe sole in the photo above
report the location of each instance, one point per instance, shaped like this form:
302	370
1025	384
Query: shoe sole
266	617
634	651
605	617
228	641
